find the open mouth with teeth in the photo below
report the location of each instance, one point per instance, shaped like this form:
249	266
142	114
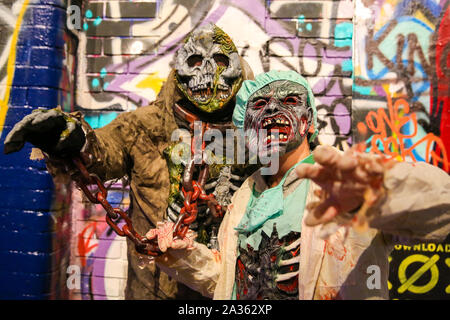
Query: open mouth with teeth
208	93
203	93
279	129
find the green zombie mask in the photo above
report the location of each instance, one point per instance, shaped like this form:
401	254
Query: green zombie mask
208	68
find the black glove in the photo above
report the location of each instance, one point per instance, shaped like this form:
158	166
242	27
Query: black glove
53	131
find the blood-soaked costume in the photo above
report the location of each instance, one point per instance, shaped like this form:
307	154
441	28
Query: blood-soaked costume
266	267
269	255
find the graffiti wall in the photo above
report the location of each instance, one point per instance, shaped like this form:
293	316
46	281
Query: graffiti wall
98	254
37	59
401	109
124	56
378	69
126	50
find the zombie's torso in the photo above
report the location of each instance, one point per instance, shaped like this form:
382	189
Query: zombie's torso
208	74
268	247
223	180
271	271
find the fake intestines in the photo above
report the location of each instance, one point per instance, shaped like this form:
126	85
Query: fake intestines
277	118
271	271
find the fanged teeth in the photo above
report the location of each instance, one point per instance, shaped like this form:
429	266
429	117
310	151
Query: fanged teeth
202	86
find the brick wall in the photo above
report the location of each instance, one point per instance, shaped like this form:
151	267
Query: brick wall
126	48
126	57
37	54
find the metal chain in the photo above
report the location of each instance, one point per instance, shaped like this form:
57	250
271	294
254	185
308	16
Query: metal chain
113	215
188	214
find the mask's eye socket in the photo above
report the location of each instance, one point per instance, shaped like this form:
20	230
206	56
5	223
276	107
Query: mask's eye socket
195	61
259	104
291	100
221	60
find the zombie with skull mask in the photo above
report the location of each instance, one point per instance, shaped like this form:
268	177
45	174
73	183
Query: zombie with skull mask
311	228
207	73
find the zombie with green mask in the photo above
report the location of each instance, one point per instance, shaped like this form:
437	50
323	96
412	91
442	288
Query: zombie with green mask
313	227
207	72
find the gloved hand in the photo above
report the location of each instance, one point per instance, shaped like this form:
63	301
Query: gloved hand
53	131
164	234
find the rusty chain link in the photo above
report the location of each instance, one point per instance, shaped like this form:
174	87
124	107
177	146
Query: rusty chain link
113	215
194	195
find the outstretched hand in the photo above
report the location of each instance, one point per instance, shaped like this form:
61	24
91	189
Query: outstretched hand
164	235
52	131
349	181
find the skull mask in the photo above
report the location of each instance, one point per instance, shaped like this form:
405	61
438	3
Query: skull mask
208	68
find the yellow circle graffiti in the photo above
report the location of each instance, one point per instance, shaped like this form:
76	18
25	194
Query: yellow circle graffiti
447	262
389	283
428	264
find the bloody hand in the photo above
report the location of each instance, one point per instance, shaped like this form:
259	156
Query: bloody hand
349	181
164	235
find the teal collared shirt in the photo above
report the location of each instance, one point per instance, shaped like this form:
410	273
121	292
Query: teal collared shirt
282	205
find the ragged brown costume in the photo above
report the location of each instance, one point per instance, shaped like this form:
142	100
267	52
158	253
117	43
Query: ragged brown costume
132	145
